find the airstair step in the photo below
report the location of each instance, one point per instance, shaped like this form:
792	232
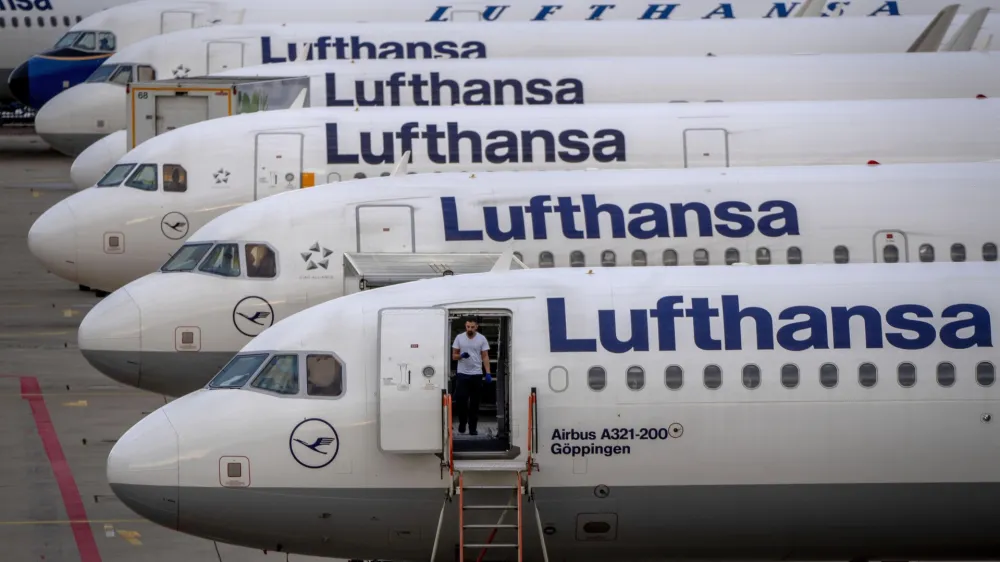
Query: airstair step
489	465
489	507
492	545
489	526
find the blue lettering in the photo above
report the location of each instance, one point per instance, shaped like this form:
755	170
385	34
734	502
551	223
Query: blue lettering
660	11
925	333
545	12
724	10
782	9
979	323
638	341
599	9
558	340
449	210
889	8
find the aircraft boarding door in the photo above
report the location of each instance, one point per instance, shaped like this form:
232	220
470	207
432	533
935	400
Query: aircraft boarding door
171	21
706	148
385	228
278	162
224	55
890	246
414	358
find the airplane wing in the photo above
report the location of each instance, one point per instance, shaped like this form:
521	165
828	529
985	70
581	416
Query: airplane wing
965	37
930	39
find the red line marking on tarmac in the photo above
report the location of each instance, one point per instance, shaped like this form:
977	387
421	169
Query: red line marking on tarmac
85	543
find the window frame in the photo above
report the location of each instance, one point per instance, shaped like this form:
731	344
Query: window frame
642	379
127	175
246	267
298	375
605	374
304	376
137	170
210	244
184	177
239	251
253	374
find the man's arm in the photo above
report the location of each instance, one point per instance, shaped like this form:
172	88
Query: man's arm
486	361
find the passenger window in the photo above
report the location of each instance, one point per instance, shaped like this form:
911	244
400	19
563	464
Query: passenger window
763	256
985	373
701	256
945	374
144	178
519	256
27	21
174	178
989	251
324	375
281	375
86	42
669	257
958	252
187	258
732	256
66	21
906	374
545	259
635	378
713	377
13	22
751	376
260	261
558	379
116	175
79	19
638	258
238	371
576	259
789	376
3	22
926	253
384	175
673	377
224	260
146	74
597	378
608	258
106	41
794	255
41	21
122	76
54	21
890	254
828	375
841	255
360	176
867	375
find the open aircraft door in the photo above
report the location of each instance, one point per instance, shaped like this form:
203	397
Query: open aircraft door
278	161
224	55
706	148
413	366
172	20
890	246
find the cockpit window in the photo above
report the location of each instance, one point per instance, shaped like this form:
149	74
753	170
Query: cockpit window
106	41
324	375
122	76
102	73
115	175
281	375
143	178
238	371
174	177
224	260
187	258
86	42
68	39
260	261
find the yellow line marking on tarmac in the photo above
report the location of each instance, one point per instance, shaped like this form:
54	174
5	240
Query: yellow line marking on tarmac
79	403
68	522
131	536
69	312
33	334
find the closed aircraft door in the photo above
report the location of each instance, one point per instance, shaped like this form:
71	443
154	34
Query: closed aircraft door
413	362
171	21
278	163
706	148
385	228
890	246
224	55
172	112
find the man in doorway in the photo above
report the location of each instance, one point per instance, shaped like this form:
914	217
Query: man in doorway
471	350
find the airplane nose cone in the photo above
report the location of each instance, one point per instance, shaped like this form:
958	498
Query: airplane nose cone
95	161
143	469
109	337
52	240
19	84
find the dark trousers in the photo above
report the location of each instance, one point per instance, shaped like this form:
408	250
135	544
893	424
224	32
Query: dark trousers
467	391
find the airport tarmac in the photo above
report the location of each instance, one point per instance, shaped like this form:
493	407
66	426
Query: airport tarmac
60	417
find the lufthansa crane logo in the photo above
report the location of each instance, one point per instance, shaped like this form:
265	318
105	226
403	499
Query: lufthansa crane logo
252	315
314	443
174	225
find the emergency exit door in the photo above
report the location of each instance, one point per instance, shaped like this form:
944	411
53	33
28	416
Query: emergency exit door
706	148
224	55
890	246
171	21
385	228
278	163
413	364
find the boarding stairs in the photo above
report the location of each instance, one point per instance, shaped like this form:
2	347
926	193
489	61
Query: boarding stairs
491	498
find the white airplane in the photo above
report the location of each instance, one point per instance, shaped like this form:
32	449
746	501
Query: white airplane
172	184
79	117
815	412
197	52
170	331
28	27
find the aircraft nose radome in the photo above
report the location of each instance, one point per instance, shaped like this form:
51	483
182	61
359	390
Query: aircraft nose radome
95	161
109	337
60	122
143	469
52	240
20	84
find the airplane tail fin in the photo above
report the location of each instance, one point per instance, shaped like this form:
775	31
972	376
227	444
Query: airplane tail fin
965	37
810	9
400	169
930	38
300	100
